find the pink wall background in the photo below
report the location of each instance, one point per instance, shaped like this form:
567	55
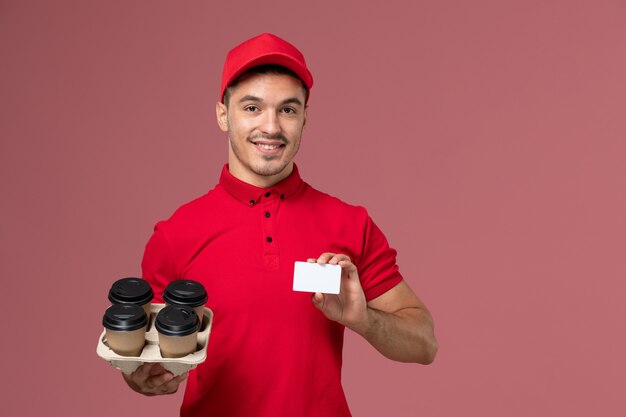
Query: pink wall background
486	138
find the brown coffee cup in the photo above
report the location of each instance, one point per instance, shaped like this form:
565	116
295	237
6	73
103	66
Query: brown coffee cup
132	291
125	326
188	293
177	327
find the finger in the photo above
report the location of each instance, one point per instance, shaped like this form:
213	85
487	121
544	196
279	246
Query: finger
157	369
339	257
335	259
169	388
318	300
172	386
325	257
312	260
159	380
347	265
141	374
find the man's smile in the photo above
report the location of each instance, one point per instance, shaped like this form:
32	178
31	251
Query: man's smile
267	146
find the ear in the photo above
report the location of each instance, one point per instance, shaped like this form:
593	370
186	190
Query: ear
305	116
221	112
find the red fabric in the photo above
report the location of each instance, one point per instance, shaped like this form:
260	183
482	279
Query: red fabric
271	352
262	50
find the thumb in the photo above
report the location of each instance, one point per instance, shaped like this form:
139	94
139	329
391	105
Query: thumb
318	300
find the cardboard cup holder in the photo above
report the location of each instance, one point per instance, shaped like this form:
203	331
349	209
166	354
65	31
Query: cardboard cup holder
151	352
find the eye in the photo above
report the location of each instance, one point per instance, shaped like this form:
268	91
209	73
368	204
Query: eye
251	108
288	110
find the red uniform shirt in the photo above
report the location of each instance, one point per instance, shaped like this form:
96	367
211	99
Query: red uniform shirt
271	352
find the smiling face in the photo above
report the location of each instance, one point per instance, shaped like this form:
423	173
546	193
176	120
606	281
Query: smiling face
264	117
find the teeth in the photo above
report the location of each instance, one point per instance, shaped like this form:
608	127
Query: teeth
267	147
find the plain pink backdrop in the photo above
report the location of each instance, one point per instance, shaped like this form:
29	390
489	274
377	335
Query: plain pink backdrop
486	138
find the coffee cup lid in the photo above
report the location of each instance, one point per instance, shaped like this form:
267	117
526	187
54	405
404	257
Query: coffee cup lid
124	317
175	320
185	292
131	291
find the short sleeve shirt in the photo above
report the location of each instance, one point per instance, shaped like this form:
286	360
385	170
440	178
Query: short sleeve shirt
271	351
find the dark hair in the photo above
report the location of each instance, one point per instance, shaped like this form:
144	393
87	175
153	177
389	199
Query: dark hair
272	69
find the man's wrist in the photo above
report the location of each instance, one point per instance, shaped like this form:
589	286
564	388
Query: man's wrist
364	327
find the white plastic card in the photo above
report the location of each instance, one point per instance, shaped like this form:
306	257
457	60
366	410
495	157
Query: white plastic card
314	277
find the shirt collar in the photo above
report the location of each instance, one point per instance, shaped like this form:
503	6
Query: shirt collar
250	194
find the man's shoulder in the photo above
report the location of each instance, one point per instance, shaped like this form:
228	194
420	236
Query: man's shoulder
193	210
321	200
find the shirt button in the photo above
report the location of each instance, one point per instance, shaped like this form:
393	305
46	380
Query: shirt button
267	214
267	194
269	239
251	202
282	196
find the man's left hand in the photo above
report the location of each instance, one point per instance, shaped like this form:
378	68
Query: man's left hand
349	307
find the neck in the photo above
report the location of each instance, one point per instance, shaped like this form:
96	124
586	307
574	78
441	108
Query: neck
261	181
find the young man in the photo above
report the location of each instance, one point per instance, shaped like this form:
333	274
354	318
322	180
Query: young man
273	351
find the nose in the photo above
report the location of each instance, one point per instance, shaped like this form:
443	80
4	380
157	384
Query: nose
270	124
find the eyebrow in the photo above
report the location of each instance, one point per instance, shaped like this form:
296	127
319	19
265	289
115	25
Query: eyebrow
292	100
249	98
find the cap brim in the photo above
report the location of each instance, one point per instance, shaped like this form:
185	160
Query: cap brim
282	60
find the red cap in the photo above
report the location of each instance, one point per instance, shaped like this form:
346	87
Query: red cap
264	49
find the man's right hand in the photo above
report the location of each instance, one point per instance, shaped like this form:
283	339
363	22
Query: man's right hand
152	379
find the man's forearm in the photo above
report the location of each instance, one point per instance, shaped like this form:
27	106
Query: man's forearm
406	335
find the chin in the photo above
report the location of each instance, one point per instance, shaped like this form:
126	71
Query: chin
268	170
